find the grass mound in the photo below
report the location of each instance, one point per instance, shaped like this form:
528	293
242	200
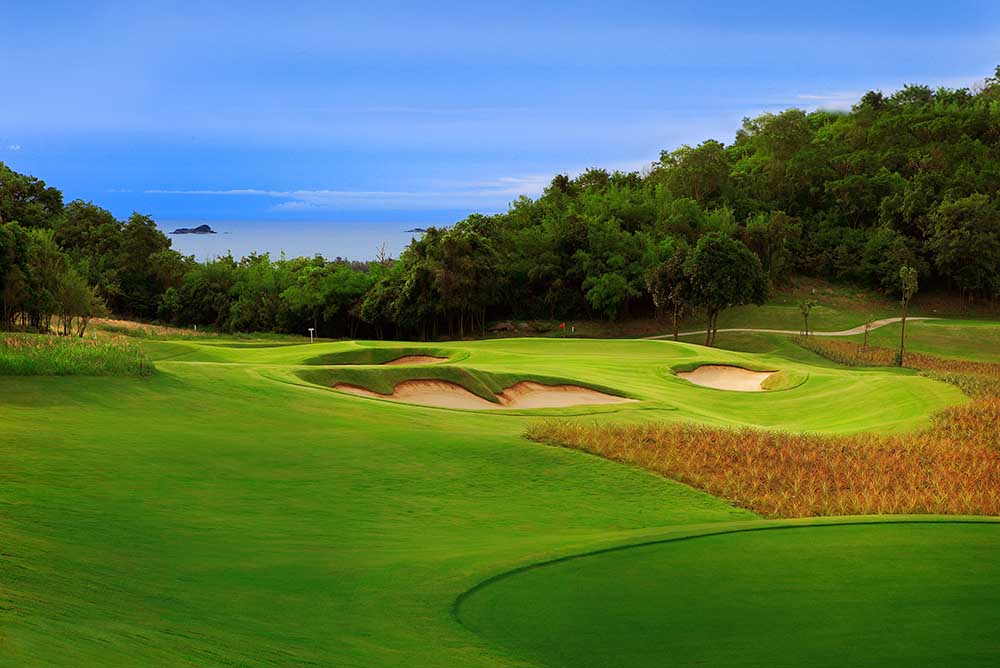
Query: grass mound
47	355
374	355
812	596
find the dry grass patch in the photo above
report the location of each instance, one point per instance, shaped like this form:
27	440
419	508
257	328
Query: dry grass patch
952	467
849	353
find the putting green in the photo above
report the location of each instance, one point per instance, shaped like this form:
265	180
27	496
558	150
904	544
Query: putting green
909	594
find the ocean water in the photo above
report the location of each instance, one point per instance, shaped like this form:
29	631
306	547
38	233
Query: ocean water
354	241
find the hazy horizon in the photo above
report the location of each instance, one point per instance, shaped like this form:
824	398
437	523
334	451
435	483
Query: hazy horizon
357	240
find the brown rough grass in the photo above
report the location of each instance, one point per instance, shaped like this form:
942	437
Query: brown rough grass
951	468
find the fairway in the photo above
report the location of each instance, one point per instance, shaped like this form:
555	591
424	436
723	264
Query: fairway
909	594
235	509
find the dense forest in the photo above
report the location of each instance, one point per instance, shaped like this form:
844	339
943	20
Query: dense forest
908	179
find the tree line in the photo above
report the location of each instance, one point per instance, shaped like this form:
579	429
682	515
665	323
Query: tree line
908	179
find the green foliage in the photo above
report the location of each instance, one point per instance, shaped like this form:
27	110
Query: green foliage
723	273
965	241
609	293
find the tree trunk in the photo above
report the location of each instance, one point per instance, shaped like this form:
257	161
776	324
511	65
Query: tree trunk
675	323
902	337
713	317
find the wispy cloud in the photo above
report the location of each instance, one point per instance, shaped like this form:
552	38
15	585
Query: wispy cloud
493	193
14	147
834	101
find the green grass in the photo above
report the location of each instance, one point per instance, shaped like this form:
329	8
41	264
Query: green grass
234	510
974	340
908	594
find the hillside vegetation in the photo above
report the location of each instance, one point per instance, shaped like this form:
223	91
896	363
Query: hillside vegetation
904	179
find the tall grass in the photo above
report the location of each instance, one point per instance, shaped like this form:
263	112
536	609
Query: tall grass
951	468
142	330
40	354
850	353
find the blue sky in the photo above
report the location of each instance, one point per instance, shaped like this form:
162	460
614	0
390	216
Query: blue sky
372	111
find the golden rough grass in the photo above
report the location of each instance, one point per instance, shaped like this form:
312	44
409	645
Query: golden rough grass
850	353
951	468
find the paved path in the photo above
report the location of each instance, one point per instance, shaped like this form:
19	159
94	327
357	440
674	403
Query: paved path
860	329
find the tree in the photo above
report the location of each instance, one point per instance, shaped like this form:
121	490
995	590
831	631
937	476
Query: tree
27	200
805	307
14	244
966	243
908	288
669	286
774	237
144	254
869	321
701	173
608	294
724	273
47	265
77	302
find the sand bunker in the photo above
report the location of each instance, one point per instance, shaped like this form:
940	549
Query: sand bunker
727	377
417	359
526	394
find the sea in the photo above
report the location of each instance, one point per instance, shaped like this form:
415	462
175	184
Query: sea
352	241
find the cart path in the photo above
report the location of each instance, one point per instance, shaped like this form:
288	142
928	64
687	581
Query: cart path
860	329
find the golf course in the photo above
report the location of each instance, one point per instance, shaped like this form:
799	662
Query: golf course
236	508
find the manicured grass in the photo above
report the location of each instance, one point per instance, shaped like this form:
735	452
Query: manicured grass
974	340
227	511
210	516
855	595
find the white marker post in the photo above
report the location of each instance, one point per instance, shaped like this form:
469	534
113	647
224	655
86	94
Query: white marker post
310	335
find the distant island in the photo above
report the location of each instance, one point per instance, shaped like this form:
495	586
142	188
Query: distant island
421	230
201	229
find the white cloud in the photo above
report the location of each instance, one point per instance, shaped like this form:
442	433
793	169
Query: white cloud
484	195
493	193
14	147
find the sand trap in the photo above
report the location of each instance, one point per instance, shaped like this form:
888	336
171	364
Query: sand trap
417	359
526	394
727	377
